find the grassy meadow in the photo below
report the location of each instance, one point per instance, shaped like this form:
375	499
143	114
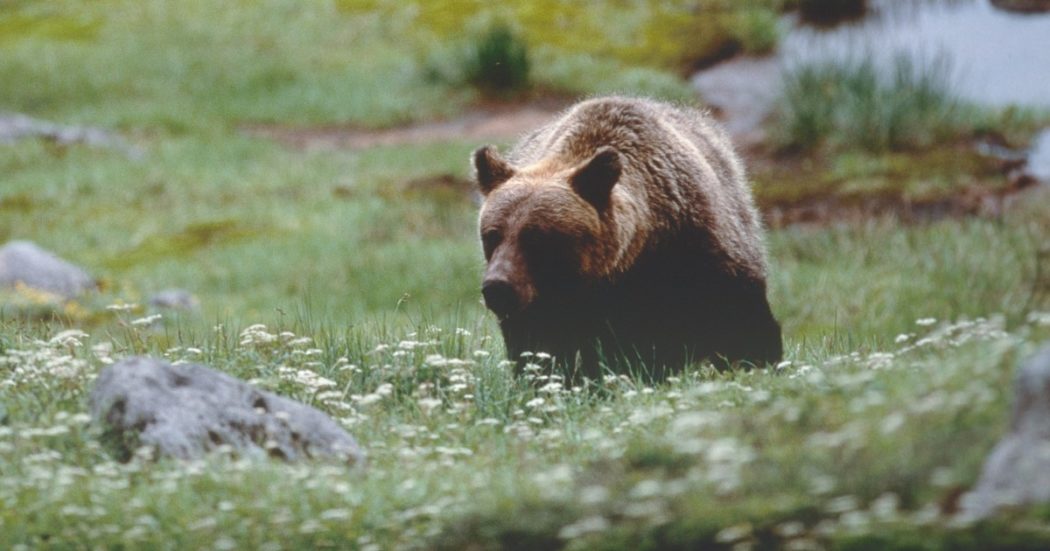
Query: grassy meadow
349	279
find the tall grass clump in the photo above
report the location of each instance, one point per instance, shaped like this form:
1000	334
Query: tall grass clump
859	104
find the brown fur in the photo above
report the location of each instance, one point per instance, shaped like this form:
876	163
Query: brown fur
625	231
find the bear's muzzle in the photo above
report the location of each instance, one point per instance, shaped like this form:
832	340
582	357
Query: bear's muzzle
500	297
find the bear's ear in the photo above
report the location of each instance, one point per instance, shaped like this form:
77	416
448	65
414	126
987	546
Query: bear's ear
490	169
595	178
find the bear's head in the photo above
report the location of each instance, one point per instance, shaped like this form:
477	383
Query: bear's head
544	228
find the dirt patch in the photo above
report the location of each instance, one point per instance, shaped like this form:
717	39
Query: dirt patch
487	122
975	201
949	181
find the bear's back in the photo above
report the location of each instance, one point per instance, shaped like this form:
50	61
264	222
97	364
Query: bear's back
678	161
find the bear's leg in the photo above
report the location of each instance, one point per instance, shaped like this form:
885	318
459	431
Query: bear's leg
749	332
642	346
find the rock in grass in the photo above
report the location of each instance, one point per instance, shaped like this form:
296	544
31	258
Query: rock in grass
16	126
174	299
24	263
1017	472
185	411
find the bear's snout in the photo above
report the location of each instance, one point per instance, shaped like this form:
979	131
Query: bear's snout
500	297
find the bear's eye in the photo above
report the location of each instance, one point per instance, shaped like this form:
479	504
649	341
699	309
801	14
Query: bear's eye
490	239
550	253
536	239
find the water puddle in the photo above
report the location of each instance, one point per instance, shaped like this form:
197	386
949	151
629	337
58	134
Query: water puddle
997	58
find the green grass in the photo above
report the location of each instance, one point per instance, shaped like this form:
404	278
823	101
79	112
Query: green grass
856	443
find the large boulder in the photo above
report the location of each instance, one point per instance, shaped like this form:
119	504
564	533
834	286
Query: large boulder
1017	472
23	262
185	411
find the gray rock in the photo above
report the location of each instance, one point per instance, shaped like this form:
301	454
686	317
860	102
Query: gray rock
26	263
1017	472
174	299
744	93
185	411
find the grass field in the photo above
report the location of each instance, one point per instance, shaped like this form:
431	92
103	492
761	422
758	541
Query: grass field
901	339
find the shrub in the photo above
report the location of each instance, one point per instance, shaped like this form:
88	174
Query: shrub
497	61
494	61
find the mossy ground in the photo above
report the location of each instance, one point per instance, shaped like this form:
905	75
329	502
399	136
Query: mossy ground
367	284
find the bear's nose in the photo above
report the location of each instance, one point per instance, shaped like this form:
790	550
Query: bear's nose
500	297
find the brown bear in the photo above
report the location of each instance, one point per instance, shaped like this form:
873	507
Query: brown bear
623	233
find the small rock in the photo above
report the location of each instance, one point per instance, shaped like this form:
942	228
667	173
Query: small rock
1017	472
23	262
175	299
1039	157
185	411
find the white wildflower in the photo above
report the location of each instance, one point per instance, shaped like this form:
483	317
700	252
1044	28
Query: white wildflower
842	504
255	335
593	495
148	320
582	527
551	388
428	404
885	506
892	422
646	489
790	529
733	533
335	514
69	337
1039	318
